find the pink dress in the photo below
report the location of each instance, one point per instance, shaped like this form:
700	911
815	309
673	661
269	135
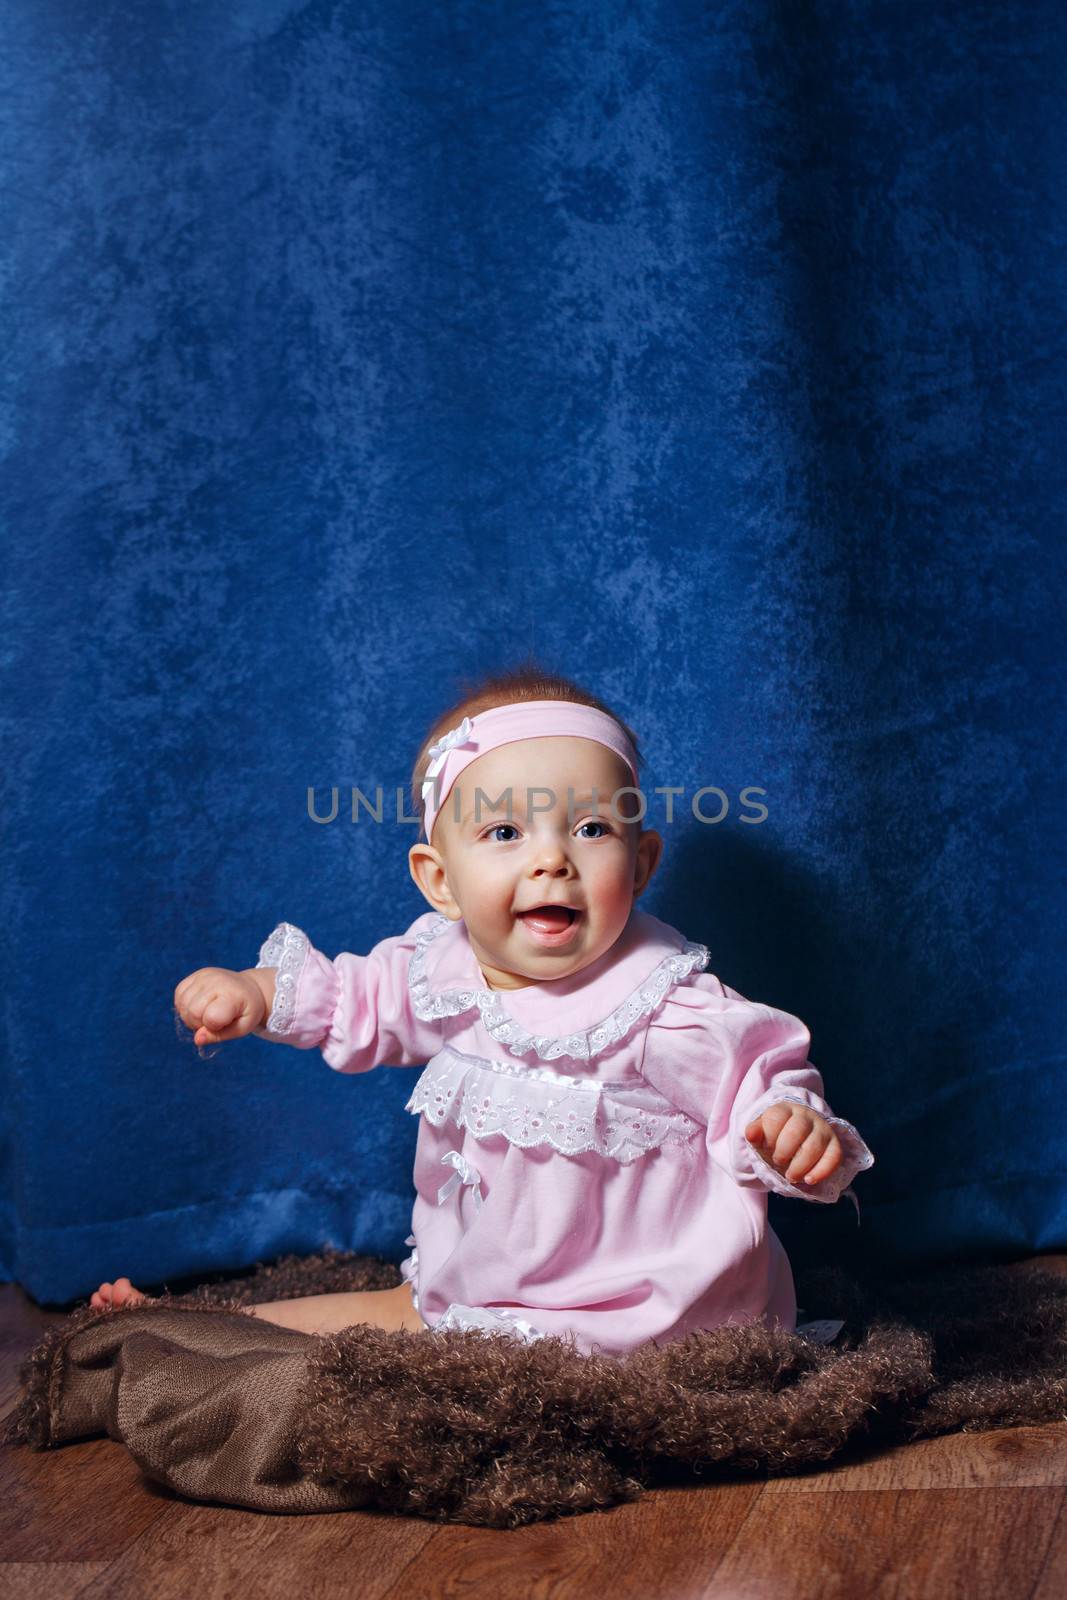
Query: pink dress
581	1166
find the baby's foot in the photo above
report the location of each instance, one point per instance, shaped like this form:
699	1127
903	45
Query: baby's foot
119	1293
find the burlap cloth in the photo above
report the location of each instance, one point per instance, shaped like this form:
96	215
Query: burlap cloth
471	1427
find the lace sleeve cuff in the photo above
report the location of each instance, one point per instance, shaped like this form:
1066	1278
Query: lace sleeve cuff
306	989
855	1155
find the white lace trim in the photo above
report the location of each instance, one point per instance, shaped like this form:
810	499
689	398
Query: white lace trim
581	1046
622	1120
409	1270
487	1320
286	949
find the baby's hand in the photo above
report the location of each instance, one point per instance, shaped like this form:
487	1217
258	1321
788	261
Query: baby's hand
796	1141
220	1004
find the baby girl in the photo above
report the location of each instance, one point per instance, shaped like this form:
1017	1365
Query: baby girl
601	1118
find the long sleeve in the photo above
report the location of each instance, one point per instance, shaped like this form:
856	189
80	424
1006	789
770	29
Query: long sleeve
723	1060
356	1009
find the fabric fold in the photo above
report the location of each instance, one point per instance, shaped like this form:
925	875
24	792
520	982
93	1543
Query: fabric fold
725	1060
208	1401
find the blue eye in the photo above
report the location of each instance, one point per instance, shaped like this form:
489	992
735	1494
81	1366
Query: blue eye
496	827
596	824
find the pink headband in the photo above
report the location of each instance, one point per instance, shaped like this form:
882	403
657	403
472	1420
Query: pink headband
524	719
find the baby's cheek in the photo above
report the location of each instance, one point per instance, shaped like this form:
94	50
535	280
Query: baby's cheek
613	893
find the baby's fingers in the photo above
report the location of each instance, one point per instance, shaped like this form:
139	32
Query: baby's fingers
216	1011
204	1035
828	1162
764	1130
226	1016
220	1009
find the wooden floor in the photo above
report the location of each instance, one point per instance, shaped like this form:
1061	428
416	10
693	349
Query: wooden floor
967	1515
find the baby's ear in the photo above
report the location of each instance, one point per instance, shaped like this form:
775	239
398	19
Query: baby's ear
428	870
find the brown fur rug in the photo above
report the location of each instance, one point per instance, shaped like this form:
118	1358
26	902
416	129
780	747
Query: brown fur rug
474	1428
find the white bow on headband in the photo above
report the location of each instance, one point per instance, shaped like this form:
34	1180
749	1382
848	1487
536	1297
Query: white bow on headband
439	751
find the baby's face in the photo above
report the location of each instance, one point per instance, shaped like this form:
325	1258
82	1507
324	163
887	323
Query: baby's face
493	865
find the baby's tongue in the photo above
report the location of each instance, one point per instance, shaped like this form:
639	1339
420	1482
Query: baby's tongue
547	918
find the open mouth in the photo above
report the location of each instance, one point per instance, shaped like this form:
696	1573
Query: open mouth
549	924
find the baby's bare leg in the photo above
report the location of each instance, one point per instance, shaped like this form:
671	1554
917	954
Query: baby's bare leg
390	1309
314	1313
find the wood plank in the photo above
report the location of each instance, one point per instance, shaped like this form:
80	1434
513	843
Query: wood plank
214	1552
1052	1583
84	1501
903	1544
669	1542
995	1458
46	1580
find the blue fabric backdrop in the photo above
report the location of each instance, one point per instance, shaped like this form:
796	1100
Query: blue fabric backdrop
715	353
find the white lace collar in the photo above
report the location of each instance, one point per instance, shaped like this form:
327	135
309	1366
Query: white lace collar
586	1013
